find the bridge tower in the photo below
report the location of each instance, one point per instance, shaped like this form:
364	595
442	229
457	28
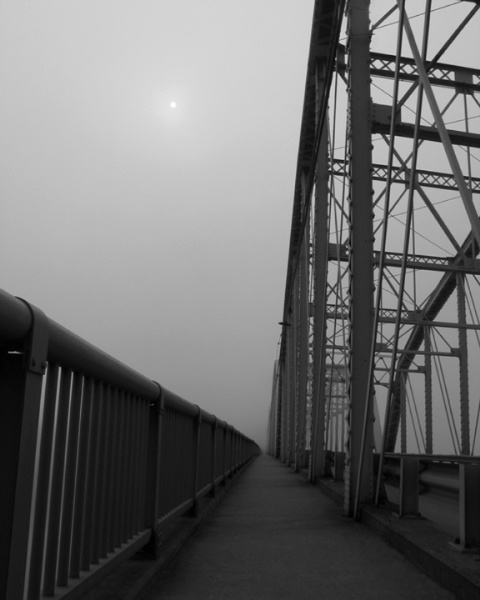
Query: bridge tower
380	330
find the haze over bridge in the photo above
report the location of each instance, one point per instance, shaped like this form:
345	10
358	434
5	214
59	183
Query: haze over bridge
380	326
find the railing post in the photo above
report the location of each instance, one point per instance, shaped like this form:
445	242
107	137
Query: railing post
225	432
196	459
469	480
408	488
338	465
234	451
213	456
21	377
153	490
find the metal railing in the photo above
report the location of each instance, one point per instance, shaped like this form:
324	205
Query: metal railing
443	488
95	458
452	482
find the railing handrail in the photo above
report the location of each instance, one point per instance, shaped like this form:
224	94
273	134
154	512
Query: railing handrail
82	429
69	349
72	351
440	458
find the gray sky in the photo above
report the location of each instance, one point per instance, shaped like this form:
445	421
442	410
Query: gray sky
159	234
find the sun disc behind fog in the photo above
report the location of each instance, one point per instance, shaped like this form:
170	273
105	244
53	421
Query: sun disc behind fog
173	104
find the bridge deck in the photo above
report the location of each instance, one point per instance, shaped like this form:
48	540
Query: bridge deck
274	537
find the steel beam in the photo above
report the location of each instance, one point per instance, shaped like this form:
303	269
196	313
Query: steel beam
320	304
463	366
441	74
425	178
359	477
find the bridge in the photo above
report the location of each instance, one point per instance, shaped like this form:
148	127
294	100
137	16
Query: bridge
375	397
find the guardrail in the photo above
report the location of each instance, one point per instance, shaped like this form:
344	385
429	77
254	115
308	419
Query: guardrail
452	482
439	476
95	458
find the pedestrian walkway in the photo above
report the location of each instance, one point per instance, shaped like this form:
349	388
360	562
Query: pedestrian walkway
275	537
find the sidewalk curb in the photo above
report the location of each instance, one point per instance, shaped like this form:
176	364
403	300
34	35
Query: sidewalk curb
426	547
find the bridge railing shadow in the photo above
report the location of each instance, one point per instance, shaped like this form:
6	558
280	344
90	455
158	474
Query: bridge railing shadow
95	458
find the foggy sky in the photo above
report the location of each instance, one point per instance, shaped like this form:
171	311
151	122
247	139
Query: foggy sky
158	234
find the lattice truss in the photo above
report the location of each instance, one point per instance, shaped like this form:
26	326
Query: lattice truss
425	180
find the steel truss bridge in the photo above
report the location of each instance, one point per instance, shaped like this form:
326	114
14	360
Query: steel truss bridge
376	380
379	350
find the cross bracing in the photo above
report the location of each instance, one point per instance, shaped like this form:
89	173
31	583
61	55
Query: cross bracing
383	270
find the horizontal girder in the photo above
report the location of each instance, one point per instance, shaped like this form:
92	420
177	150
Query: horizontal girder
455	76
388	316
432	179
445	264
426	133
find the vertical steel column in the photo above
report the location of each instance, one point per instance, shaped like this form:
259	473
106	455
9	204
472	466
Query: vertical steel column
20	387
428	393
403	412
275	426
285	401
320	307
302	352
295	364
463	365
469	482
291	366
280	412
361	256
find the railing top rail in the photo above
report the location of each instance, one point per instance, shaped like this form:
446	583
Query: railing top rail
71	351
174	402
446	458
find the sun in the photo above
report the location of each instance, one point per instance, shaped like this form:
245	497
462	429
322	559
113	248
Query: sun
173	104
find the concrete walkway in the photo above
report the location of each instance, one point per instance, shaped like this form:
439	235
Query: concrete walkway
274	536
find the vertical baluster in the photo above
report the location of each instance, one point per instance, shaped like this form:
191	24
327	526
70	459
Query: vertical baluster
133	454
195	457
99	475
121	472
111	473
184	450
163	499
70	482
55	510
130	465
104	481
138	466
175	451
213	454
163	473
167	490
89	553
143	463
224	454
82	479
41	501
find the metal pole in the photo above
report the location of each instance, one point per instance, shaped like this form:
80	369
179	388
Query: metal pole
320	303
428	393
403	394
359	469
303	354
463	366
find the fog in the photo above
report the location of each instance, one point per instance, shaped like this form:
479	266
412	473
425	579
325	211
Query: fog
158	234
